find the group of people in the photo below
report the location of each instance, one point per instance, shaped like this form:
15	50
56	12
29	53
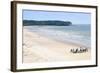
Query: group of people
79	50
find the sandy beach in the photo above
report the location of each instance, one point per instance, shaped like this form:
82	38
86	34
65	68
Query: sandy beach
38	48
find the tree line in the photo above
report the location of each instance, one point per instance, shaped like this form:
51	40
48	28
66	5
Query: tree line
49	22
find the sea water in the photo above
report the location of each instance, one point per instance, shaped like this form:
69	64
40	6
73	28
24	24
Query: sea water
76	34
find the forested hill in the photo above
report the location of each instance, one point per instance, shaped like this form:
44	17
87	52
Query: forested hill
49	22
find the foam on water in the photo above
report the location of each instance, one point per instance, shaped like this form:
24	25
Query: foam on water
78	34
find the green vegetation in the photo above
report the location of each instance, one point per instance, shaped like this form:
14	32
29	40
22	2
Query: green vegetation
49	22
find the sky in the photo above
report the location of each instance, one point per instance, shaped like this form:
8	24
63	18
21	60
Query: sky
74	17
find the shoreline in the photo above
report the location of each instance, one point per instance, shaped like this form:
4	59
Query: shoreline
38	48
64	37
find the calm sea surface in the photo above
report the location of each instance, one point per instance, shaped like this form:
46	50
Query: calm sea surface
77	34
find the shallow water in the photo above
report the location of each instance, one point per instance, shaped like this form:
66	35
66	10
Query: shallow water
77	34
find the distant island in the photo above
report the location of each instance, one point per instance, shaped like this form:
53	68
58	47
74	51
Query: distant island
48	22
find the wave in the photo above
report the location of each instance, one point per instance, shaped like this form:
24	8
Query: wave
62	36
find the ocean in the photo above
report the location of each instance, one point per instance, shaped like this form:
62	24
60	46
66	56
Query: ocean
76	34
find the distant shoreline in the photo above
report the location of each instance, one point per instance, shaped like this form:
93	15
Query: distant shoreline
46	22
